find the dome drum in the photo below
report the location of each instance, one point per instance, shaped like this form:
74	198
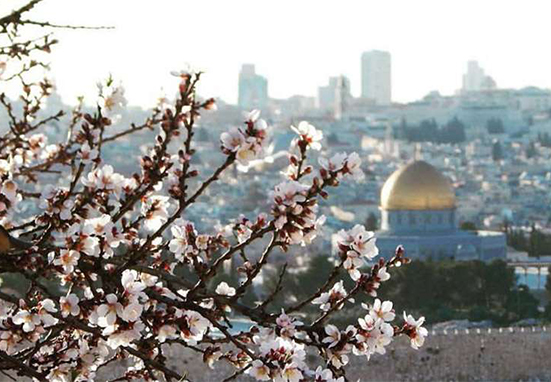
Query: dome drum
405	221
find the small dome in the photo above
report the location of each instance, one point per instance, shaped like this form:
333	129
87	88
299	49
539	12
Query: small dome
417	186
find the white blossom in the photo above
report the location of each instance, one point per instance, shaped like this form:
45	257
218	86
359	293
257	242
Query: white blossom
9	341
309	134
155	211
27	319
259	371
68	259
333	335
114	101
334	296
224	289
107	313
382	310
69	305
417	333
247	143
104	178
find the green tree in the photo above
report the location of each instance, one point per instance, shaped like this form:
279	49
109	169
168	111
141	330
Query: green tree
497	151
534	242
474	290
372	223
468	226
521	304
548	282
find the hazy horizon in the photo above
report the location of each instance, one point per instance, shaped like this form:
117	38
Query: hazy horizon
297	46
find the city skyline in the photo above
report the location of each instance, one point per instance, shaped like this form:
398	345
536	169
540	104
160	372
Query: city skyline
432	55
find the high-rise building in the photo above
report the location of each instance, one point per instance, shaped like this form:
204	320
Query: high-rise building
253	89
335	96
376	77
476	80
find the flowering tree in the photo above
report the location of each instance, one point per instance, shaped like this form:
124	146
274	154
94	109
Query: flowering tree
115	270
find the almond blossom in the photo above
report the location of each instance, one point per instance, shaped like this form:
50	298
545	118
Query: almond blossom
27	319
360	240
107	313
68	259
113	100
416	332
166	332
287	324
180	244
61	373
382	276
333	335
343	165
373	336
88	154
104	178
247	143
284	358
9	341
154	209
309	135
337	295
195	326
118	338
133	286
69	305
224	289
325	375
382	310
259	371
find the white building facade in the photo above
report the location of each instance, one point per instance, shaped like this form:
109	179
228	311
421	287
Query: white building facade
253	89
376	77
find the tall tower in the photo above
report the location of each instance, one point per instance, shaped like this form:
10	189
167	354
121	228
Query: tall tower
253	89
476	80
334	97
342	93
376	77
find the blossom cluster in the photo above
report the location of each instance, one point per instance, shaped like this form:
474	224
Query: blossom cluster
246	143
355	246
295	213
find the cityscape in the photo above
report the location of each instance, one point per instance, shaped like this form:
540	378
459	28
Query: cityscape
339	233
492	145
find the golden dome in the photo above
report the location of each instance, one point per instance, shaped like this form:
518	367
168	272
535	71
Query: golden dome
417	186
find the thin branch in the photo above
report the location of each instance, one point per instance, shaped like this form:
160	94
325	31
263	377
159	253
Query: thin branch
50	25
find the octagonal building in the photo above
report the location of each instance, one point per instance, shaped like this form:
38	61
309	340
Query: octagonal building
418	211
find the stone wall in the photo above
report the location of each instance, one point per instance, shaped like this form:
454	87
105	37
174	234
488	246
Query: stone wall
484	356
512	355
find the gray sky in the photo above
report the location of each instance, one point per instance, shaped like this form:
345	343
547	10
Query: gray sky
297	44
